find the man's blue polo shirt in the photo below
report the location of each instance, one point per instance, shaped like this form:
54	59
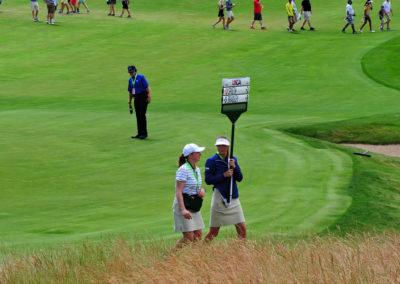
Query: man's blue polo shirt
140	84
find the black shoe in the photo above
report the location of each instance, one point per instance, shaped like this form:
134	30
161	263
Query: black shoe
136	136
312	29
303	29
142	137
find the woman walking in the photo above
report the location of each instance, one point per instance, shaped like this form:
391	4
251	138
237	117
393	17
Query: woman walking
188	196
220	169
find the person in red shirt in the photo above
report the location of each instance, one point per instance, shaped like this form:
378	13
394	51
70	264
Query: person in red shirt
257	14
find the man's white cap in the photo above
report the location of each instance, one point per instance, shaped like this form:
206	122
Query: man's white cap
222	141
191	148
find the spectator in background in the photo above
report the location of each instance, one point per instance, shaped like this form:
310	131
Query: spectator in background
349	17
51	8
35	10
84	4
111	3
228	6
290	14
388	9
64	4
367	18
294	13
257	14
221	16
73	6
306	11
381	14
125	6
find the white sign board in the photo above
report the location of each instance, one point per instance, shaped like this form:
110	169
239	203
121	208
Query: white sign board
236	82
235	90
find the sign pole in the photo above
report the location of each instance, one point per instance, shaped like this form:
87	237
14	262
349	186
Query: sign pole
231	157
235	96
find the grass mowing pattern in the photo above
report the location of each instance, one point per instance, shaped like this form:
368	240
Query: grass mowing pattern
382	62
68	168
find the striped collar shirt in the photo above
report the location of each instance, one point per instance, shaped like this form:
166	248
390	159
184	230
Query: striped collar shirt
184	173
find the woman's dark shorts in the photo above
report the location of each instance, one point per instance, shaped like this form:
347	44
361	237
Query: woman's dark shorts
257	17
112	2
221	14
51	8
125	5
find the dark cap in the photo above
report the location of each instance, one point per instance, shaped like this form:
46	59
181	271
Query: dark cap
131	69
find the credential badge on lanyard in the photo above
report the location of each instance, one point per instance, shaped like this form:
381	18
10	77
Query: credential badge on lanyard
196	177
133	84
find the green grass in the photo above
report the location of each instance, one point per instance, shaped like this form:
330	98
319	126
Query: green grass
69	170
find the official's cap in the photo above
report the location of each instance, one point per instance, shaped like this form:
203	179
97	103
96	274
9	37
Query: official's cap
131	69
222	141
191	148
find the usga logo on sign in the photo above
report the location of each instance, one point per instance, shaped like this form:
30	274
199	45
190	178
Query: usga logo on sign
236	82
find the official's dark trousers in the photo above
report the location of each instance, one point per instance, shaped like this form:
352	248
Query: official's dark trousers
140	104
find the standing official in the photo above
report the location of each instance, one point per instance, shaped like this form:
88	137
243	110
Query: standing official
139	89
219	171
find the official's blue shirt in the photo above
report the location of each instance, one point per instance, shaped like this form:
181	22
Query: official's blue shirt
140	84
214	174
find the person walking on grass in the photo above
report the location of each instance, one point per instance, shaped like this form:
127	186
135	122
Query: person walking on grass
73	6
51	8
221	16
367	17
35	10
64	4
349	17
125	6
290	14
388	9
220	169
188	196
306	11
139	89
111	3
228	6
83	2
257	14
294	12
381	14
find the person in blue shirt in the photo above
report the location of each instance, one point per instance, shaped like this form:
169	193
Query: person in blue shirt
139	89
219	171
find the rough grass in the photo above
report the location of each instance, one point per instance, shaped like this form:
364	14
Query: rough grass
367	258
377	129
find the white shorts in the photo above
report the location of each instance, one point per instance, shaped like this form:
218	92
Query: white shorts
35	6
229	14
307	15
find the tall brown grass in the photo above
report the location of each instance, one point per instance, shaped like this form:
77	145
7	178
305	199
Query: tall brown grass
367	258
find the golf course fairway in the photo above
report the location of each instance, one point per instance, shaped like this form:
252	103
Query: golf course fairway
69	170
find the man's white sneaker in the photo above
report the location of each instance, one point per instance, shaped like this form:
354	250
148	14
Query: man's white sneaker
371	31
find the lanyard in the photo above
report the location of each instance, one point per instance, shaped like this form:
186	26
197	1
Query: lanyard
220	156
133	81
194	174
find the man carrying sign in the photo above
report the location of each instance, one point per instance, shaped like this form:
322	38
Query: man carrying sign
139	89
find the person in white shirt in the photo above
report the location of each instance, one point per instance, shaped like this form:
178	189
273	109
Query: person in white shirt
349	17
188	196
388	10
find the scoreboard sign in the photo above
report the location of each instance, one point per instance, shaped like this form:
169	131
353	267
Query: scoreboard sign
235	96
